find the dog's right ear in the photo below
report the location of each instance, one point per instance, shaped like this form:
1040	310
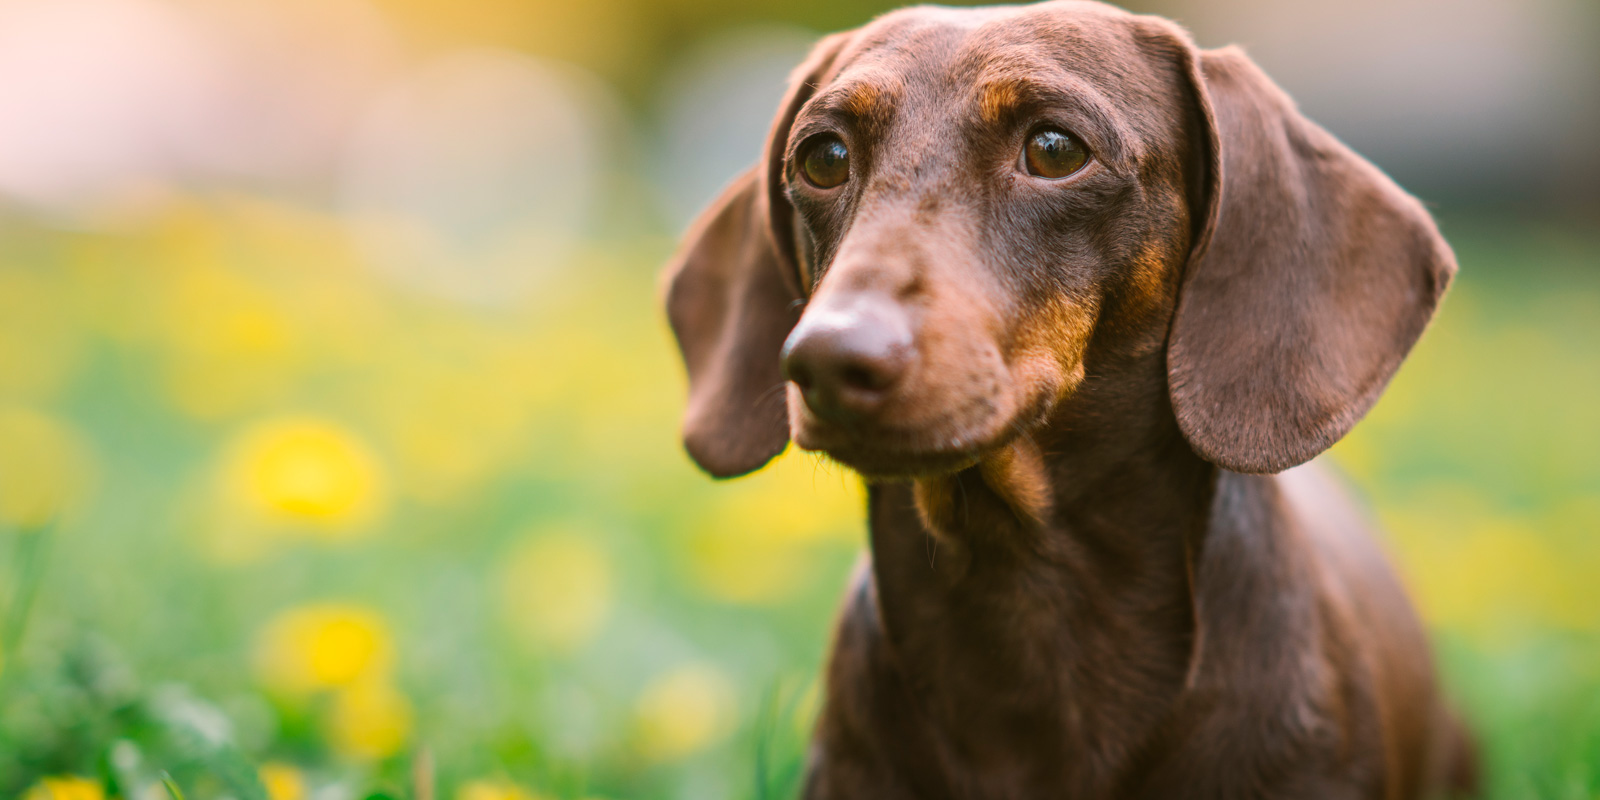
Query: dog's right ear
733	294
1312	277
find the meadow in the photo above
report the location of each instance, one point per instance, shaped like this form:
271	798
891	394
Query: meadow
274	530
365	482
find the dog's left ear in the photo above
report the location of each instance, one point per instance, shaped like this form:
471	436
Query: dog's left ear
733	295
1312	276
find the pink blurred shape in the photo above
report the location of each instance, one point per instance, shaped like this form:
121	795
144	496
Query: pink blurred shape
109	106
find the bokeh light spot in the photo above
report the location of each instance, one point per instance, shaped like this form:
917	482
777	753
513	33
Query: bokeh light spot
65	787
44	468
370	720
757	545
476	175
323	646
40	337
556	589
495	789
683	711
307	470
282	781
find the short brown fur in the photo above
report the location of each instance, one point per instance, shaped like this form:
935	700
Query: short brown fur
1085	580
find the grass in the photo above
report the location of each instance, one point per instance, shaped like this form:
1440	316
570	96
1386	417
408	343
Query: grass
317	534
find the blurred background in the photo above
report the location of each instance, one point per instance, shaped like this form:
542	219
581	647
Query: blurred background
338	423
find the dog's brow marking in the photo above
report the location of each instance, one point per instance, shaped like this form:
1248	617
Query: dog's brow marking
998	97
866	100
870	100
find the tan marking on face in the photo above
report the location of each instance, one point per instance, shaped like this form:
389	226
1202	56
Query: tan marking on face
935	498
1148	292
868	100
936	502
1147	280
997	98
1051	341
1018	474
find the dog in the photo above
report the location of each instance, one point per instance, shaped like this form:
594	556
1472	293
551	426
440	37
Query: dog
1076	299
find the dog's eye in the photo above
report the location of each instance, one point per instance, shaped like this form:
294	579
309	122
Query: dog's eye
1054	153
826	161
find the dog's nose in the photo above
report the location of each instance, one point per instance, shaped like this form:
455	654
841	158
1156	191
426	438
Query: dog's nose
846	357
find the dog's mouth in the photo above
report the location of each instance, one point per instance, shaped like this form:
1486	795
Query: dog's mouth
895	460
889	452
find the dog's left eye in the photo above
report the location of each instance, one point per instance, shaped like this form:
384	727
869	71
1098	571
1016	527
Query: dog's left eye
1054	153
825	161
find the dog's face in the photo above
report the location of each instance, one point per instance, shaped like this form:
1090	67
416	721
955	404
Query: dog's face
970	188
959	208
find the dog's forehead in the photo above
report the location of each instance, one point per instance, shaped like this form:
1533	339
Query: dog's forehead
924	71
939	47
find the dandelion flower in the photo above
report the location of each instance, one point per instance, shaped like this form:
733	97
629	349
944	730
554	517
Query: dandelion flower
323	646
65	787
306	471
683	711
757	547
43	468
369	720
495	789
555	590
282	781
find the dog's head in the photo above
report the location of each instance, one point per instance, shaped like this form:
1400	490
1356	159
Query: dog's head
957	208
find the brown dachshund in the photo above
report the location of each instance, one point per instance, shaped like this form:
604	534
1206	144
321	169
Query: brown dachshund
1067	291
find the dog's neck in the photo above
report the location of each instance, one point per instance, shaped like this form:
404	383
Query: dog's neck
1047	591
1109	470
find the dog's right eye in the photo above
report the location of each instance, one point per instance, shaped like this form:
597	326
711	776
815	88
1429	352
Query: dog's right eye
825	161
1053	153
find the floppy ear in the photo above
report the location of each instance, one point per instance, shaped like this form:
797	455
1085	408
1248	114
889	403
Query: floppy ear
732	297
1312	277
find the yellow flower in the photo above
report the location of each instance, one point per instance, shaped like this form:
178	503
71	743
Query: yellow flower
555	589
323	646
282	781
65	787
44	468
495	789
41	337
227	343
308	471
683	711
370	719
458	410
1493	576
756	545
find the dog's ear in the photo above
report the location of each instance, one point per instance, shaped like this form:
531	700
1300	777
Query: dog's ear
1311	277
733	295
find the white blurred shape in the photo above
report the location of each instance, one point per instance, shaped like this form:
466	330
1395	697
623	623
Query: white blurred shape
107	106
1448	90
90	90
476	174
716	108
297	73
